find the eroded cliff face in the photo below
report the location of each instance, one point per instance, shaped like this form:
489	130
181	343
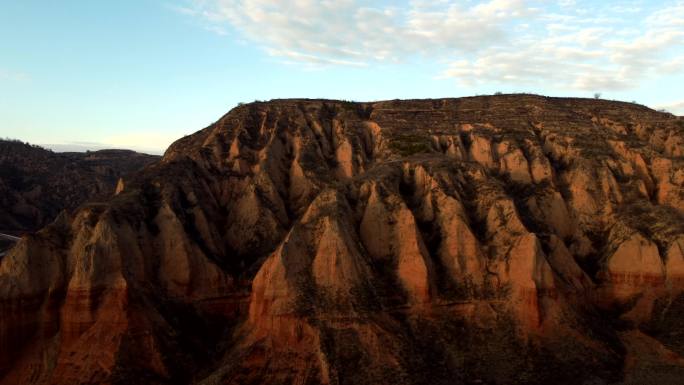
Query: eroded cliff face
507	239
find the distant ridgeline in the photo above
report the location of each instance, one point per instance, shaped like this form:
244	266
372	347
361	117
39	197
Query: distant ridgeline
36	183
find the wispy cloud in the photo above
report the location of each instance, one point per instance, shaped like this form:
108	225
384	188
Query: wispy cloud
13	75
574	44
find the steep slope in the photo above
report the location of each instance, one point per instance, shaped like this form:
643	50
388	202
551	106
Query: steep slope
507	239
36	184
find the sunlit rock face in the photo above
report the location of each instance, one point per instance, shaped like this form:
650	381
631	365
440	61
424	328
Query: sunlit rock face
513	239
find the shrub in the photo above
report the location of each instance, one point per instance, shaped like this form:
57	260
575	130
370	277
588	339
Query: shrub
410	144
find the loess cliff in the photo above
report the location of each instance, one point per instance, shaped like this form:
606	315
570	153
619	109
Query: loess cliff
512	239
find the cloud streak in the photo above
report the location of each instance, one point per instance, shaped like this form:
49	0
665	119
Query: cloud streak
13	75
572	44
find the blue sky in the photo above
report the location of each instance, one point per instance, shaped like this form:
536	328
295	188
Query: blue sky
140	74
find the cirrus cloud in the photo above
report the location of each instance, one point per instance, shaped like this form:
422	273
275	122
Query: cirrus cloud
573	44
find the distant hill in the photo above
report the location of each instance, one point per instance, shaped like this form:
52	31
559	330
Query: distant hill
36	183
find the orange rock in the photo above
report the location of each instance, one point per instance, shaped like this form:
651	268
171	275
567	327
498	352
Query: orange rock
481	150
388	231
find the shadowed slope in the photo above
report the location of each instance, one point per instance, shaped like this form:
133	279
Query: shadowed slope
37	184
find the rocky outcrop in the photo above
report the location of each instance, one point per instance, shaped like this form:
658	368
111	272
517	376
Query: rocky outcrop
508	239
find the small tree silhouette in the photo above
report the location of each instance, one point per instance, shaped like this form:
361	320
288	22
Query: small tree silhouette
597	95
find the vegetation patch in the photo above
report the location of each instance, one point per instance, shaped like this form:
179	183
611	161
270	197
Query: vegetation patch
681	123
666	325
410	144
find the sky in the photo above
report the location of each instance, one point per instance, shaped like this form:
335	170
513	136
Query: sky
139	74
